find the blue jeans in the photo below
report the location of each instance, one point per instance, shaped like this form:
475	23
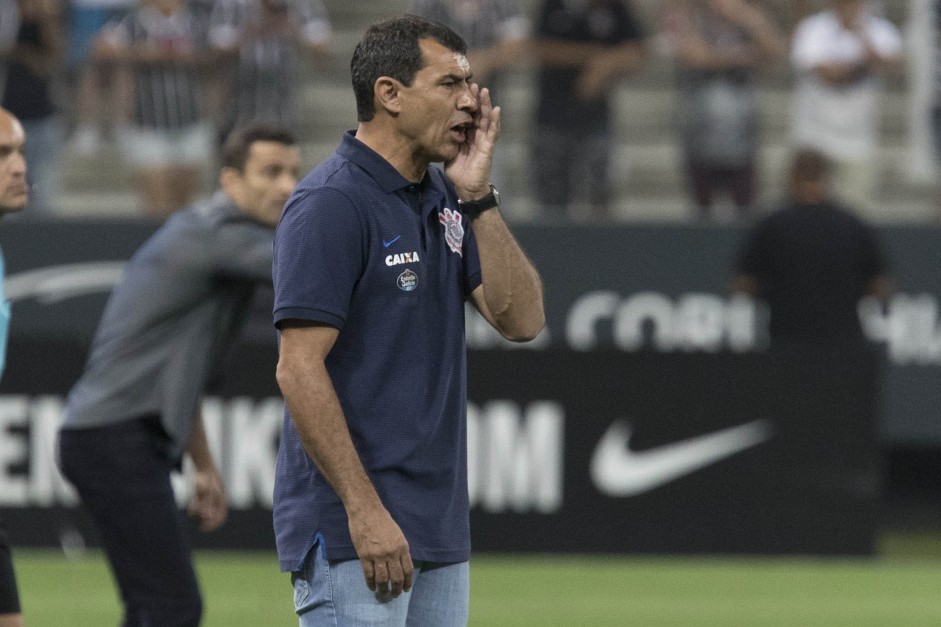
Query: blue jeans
335	593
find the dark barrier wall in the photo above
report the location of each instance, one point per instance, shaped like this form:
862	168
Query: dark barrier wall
634	288
636	316
597	451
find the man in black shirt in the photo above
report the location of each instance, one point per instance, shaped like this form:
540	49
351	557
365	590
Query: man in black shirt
812	261
582	49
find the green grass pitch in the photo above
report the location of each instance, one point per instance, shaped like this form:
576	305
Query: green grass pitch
899	588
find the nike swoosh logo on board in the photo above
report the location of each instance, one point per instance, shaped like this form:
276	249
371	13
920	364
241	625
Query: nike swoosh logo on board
386	244
618	471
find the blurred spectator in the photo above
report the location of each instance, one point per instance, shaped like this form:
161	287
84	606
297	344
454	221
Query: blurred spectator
497	35
812	261
261	41
9	24
936	80
840	55
32	63
496	31
92	75
718	45
583	46
159	51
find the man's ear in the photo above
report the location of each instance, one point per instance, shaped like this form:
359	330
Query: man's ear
388	94
228	178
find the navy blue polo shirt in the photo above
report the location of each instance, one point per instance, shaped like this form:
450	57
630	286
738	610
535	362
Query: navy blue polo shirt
390	264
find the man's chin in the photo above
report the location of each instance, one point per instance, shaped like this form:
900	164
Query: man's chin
446	156
13	206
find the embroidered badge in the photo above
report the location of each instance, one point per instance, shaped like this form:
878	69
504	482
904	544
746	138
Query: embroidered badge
407	281
453	231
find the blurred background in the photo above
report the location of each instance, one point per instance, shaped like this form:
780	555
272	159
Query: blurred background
645	98
643	143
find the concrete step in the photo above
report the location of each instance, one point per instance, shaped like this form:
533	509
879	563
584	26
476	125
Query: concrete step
640	114
640	168
647	184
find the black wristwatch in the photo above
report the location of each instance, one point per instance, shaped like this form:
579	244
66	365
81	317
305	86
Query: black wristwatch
473	208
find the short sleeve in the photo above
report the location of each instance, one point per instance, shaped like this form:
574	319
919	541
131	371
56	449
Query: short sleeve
318	258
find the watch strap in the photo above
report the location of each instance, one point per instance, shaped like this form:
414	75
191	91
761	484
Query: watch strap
473	208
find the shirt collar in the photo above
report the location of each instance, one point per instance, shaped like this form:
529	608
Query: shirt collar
373	163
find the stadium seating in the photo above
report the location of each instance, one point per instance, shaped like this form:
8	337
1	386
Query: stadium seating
649	183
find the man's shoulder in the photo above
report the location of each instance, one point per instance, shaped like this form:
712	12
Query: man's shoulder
206	220
339	178
849	217
785	216
210	213
806	215
334	171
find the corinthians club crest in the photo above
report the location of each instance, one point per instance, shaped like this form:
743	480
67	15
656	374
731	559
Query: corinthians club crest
453	231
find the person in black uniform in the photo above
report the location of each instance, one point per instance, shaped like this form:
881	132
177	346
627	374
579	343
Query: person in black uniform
812	261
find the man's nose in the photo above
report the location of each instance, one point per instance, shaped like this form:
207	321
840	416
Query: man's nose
468	101
287	183
18	163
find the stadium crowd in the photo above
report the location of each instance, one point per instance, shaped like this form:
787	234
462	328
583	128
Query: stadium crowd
618	109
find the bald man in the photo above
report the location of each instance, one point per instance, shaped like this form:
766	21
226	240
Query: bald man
13	188
14	194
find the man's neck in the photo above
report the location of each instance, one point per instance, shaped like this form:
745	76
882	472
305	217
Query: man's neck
395	150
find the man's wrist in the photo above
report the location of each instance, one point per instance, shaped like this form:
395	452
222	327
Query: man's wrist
473	208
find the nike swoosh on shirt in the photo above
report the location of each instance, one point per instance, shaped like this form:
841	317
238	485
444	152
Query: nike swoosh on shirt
386	244
618	471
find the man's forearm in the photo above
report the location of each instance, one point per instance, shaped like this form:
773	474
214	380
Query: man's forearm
323	431
197	445
512	287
